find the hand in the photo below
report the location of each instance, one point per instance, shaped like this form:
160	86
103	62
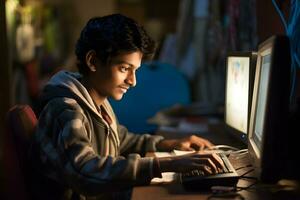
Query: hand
186	144
209	163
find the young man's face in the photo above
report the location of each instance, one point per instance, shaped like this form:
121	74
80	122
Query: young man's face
114	79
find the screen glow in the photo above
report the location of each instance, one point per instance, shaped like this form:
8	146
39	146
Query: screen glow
237	92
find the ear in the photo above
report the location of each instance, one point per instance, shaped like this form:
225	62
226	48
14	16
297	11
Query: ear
91	60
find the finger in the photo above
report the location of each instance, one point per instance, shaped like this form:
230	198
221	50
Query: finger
207	143
202	143
216	159
197	145
208	162
206	169
212	166
212	156
202	147
186	148
212	160
220	170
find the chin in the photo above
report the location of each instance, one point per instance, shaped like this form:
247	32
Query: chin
118	97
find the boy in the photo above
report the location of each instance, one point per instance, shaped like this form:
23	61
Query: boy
80	151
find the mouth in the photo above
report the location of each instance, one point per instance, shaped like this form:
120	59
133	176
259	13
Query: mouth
124	89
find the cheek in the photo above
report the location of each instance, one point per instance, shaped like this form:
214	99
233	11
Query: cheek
119	77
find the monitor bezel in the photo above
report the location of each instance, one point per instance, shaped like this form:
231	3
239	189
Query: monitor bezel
253	148
267	159
241	136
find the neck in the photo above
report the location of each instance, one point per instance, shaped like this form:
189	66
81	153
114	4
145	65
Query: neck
98	100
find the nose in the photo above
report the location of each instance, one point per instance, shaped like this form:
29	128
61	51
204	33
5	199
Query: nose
131	79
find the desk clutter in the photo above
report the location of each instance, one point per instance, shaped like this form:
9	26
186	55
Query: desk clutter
187	119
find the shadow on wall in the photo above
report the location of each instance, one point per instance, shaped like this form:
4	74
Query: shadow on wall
159	86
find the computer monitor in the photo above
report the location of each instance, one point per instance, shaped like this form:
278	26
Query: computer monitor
268	133
240	68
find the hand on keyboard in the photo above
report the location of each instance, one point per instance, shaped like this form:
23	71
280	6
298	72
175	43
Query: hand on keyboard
199	179
208	163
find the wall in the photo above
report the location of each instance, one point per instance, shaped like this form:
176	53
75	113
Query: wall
86	9
268	20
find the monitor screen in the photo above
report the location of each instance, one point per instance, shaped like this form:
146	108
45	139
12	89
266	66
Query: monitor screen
262	97
239	83
269	110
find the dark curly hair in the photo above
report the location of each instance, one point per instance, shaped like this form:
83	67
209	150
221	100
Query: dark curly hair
111	35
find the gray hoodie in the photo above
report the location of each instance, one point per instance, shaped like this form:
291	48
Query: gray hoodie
78	152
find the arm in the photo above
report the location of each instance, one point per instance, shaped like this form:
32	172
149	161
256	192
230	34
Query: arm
209	163
64	140
187	144
135	143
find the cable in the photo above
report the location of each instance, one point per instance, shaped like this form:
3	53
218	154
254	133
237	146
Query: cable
241	151
280	15
294	36
293	32
247	187
224	147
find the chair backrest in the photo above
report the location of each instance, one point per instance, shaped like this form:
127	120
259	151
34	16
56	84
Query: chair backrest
21	122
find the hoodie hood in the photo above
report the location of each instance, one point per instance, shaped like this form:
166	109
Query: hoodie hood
67	84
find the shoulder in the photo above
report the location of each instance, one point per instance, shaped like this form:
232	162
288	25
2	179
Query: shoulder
63	103
63	108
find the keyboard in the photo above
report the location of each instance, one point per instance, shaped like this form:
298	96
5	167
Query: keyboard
198	180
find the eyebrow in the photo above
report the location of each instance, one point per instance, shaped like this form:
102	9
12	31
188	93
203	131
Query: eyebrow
127	63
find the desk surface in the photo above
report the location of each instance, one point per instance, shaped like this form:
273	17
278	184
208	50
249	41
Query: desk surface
256	192
176	192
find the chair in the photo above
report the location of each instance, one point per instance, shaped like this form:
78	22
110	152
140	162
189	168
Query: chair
21	122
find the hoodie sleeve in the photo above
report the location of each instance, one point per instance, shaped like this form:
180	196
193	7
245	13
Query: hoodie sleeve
68	154
135	143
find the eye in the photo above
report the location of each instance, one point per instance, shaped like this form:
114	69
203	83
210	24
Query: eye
124	69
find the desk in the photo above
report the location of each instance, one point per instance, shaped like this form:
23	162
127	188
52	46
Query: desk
177	192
